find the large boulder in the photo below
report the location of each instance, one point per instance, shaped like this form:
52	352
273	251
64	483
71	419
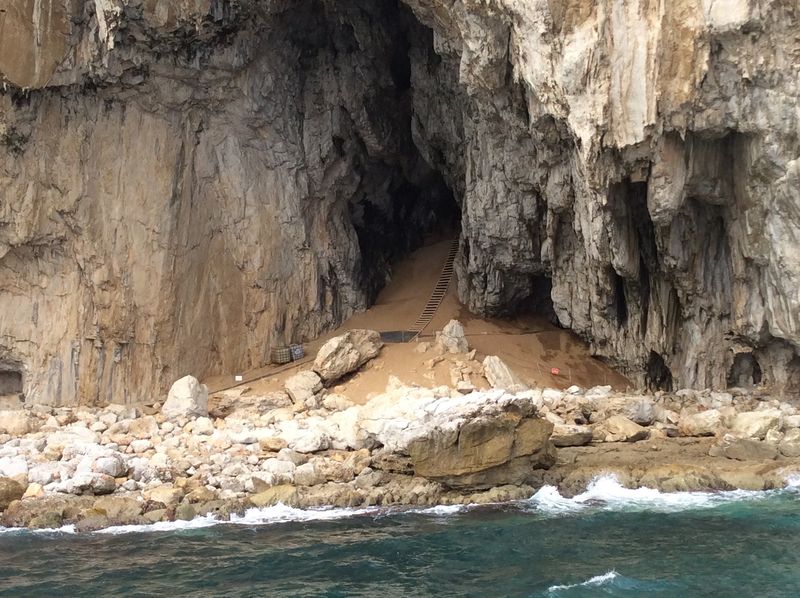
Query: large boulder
234	402
304	440
501	376
756	424
119	509
285	494
638	409
187	398
166	494
705	423
498	446
90	483
13	467
111	465
344	354
10	490
571	435
451	339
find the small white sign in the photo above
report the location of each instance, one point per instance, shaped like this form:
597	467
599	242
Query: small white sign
238	378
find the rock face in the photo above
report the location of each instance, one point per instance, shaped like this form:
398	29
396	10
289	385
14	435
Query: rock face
187	183
346	353
485	452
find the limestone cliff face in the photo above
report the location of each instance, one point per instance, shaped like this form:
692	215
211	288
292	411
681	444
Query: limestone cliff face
184	182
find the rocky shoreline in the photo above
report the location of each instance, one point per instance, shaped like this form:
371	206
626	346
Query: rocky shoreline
309	447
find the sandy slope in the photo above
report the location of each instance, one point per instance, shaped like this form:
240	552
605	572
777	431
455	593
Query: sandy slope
529	344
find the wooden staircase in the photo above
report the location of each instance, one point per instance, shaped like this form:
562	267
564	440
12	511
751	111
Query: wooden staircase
439	291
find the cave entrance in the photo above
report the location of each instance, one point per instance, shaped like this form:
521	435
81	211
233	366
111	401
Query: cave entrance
372	85
10	380
745	371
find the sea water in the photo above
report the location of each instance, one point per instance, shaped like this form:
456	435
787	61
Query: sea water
608	541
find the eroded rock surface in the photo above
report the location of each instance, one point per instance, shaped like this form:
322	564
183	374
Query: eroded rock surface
186	183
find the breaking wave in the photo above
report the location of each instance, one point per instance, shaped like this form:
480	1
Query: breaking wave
606	493
597	580
603	493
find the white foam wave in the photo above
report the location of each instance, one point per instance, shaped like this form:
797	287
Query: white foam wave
793	481
161	526
606	492
278	513
66	529
441	510
597	580
281	513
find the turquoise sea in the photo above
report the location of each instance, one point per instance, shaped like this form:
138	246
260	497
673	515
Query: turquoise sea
608	541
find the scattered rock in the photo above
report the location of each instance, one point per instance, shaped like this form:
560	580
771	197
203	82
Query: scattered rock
33	490
303	386
203	426
185	512
307	440
619	428
789	446
113	466
272	443
17	422
10	490
336	402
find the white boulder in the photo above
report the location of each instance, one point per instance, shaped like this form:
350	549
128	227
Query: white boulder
187	398
756	424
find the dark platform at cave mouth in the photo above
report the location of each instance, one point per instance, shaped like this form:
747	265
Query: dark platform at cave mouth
398	336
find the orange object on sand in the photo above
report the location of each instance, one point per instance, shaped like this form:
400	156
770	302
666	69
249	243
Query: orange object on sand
555	371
